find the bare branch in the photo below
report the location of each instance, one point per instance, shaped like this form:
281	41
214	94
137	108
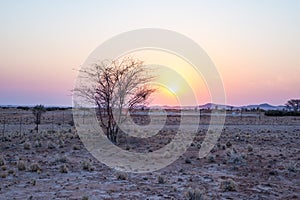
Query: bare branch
114	87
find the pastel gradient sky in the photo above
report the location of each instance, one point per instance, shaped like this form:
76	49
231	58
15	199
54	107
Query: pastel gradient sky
254	44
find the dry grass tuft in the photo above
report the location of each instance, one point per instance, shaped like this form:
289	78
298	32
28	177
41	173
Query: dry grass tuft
21	165
35	167
228	185
87	166
121	176
63	168
195	194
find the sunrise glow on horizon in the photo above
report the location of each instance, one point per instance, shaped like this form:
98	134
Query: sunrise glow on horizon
254	45
177	82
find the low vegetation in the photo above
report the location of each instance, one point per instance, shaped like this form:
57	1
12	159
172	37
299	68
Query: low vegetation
35	167
228	185
195	194
161	180
63	168
21	165
281	113
87	165
2	161
121	176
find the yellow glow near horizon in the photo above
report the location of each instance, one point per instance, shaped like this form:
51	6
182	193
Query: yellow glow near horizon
173	88
176	77
165	96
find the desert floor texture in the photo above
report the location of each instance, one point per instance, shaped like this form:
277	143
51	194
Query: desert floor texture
254	158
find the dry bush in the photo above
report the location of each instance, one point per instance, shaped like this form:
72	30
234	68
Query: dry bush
228	185
11	171
3	175
87	166
76	147
250	148
187	161
63	169
195	194
4	167
161	180
228	144
292	166
121	176
35	167
61	159
211	158
235	158
61	143
37	143
2	161
51	145
21	165
27	146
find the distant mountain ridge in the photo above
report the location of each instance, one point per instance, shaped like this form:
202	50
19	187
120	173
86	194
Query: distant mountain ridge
264	106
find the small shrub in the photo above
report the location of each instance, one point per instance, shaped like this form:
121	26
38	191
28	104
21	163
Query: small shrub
69	136
37	144
33	182
121	176
11	171
85	198
228	185
235	158
61	159
51	145
61	143
250	148
292	167
211	158
195	194
49	132
21	165
4	167
187	161
27	146
127	148
87	166
197	144
76	147
161	180
228	144
2	161
35	167
63	169
3	175
273	173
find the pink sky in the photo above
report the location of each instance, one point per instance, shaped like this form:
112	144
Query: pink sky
254	45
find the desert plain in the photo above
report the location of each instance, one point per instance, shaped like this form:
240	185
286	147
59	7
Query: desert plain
256	157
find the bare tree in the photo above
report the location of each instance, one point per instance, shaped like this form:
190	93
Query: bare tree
116	87
37	111
293	104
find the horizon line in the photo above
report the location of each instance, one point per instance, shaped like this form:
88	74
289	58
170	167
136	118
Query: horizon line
155	105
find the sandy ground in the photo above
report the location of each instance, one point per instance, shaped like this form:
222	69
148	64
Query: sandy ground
253	159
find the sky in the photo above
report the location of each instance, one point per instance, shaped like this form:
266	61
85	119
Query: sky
254	45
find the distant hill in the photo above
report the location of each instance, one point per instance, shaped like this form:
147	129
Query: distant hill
264	106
